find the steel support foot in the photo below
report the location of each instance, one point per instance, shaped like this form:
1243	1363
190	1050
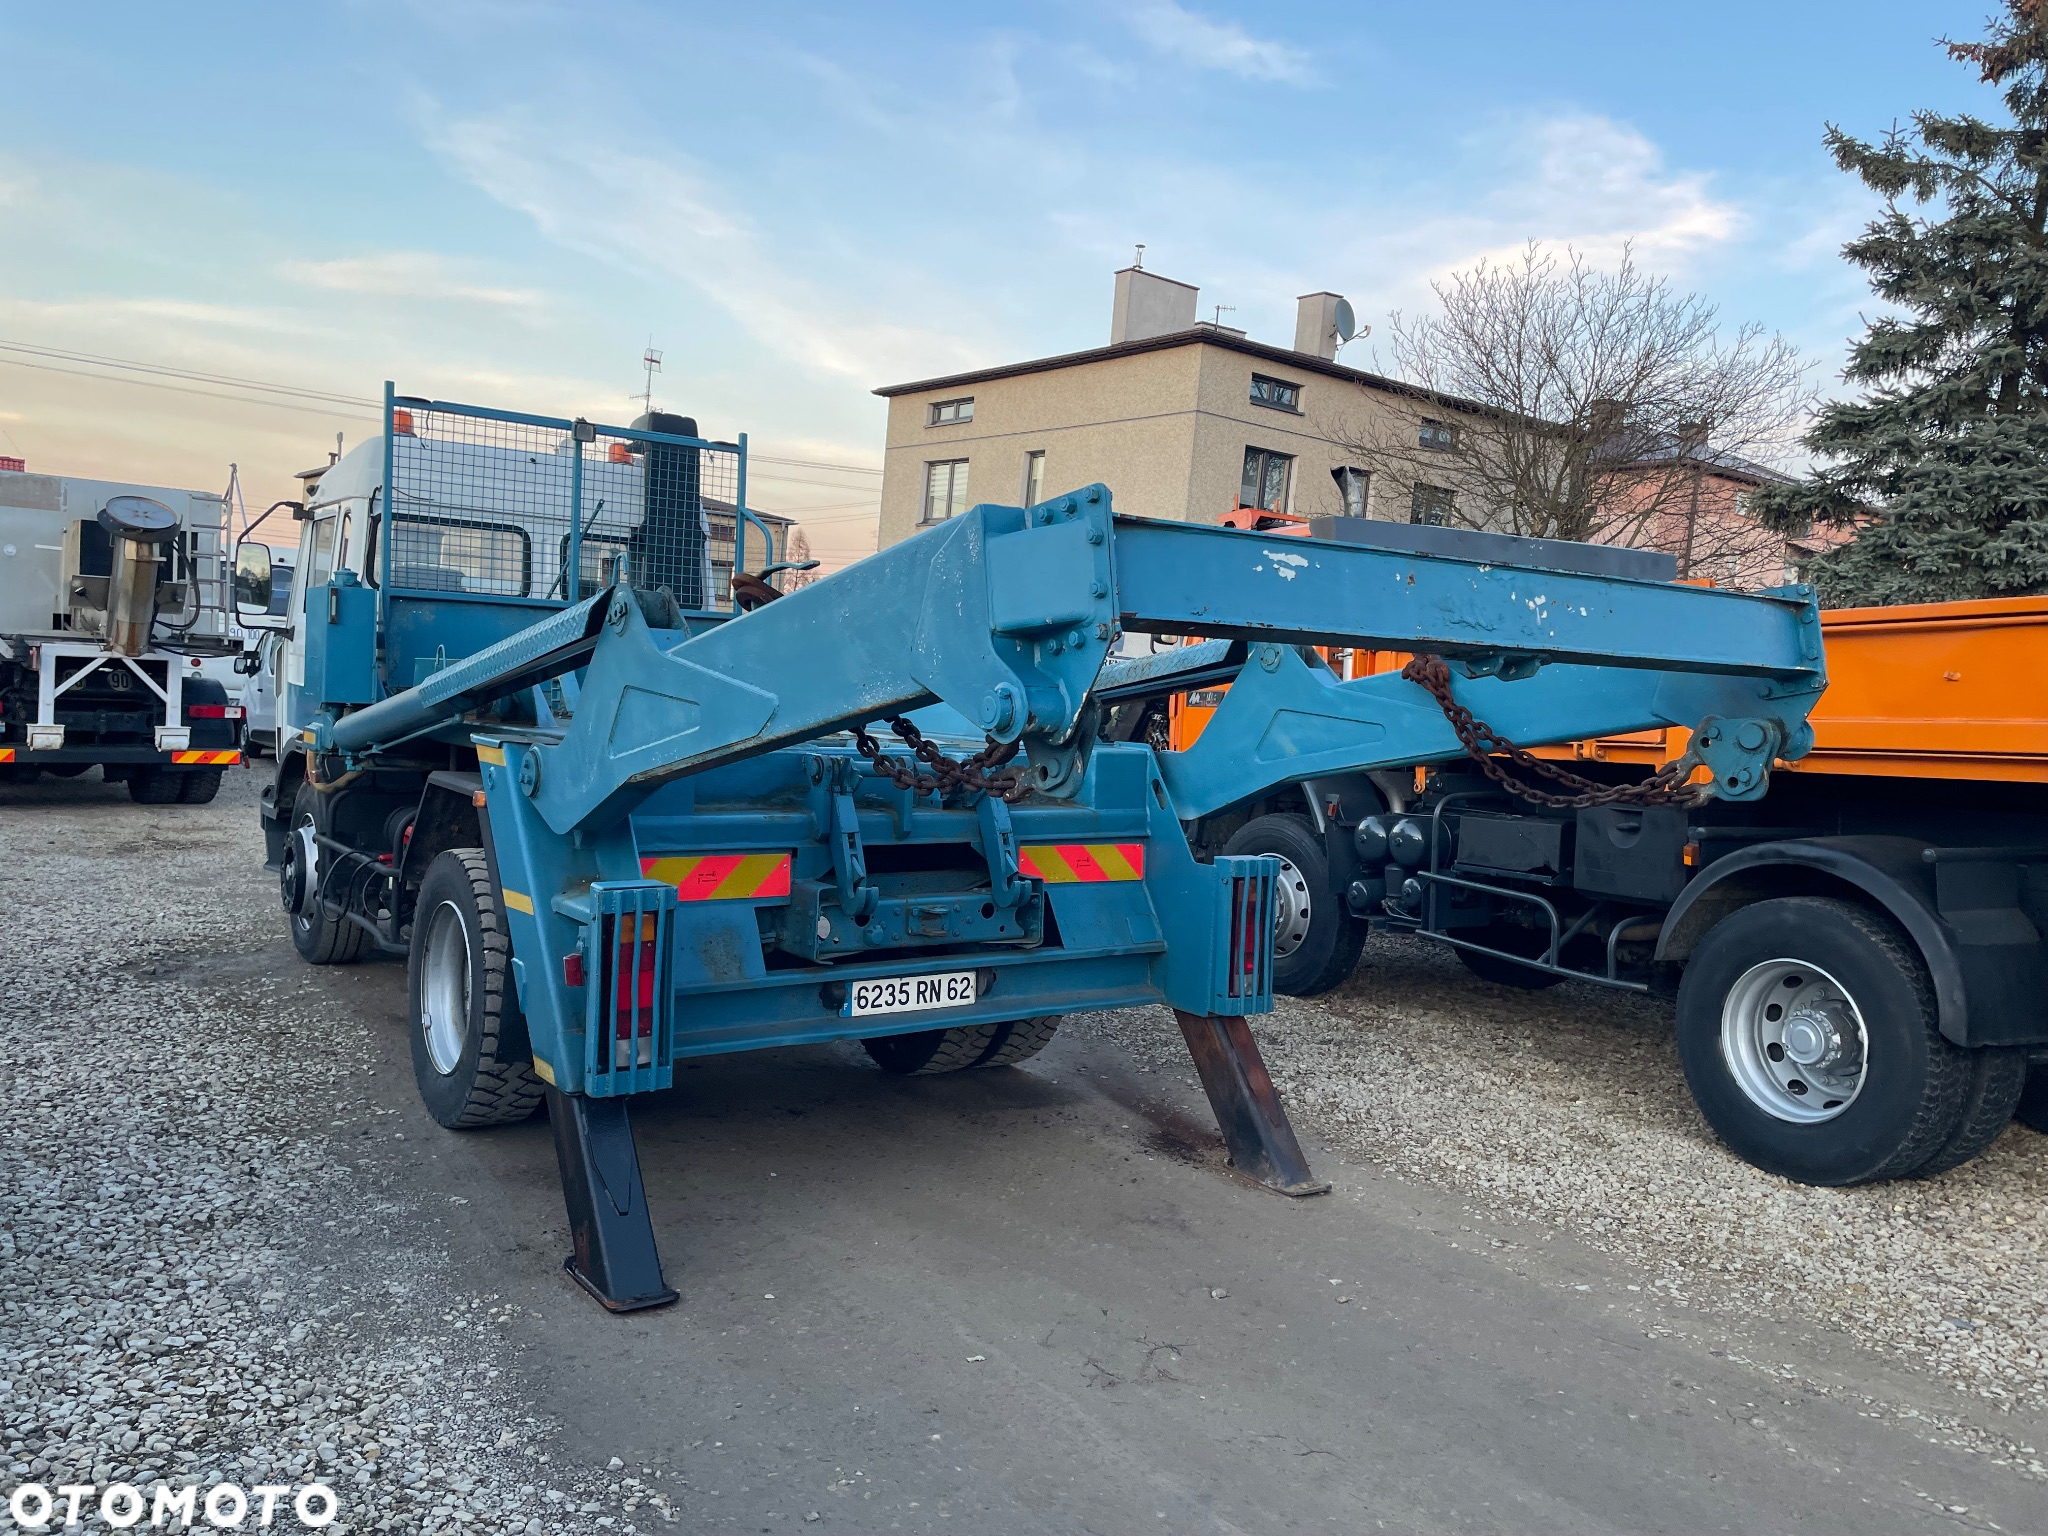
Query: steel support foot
614	1259
1247	1106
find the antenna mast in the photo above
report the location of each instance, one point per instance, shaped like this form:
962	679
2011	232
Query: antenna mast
652	359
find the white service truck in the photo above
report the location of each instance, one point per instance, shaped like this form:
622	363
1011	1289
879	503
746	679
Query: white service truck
112	600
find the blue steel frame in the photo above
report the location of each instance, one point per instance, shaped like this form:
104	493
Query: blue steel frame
709	742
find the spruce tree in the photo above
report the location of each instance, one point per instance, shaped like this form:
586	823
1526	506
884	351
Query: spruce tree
1941	469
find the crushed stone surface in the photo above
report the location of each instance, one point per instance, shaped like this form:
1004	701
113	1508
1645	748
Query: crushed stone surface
197	1291
1569	1106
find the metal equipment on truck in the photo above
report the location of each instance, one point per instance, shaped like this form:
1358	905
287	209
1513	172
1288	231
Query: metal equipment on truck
613	822
1857	958
111	597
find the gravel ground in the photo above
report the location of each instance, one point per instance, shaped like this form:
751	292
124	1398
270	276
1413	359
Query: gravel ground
182	1304
213	1272
1568	1106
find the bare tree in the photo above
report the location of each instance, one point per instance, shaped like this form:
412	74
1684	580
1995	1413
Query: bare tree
1567	402
798	548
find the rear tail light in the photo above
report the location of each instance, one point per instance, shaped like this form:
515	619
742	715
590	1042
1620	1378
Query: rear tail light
634	973
215	712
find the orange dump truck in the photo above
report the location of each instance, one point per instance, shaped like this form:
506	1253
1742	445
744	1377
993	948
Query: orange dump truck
1858	959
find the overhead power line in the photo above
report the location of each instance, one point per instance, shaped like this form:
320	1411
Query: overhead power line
130	366
351	405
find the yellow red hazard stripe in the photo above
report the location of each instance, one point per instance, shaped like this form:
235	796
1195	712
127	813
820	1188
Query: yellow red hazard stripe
721	876
1082	863
207	759
6	754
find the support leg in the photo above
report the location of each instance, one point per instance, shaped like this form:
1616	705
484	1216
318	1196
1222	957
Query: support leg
614	1259
1248	1109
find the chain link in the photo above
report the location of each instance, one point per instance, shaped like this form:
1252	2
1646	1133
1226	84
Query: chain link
1667	786
946	775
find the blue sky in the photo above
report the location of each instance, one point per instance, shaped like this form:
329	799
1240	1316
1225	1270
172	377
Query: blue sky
502	202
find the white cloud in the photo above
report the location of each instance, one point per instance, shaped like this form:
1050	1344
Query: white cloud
658	217
1195	39
409	275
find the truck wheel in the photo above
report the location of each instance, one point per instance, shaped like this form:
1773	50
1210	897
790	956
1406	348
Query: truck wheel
1807	1030
2032	1109
1316	941
200	786
319	939
930	1051
1998	1078
470	1052
154	786
1505	973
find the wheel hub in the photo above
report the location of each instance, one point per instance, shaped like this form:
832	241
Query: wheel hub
444	989
1293	909
1812	1038
1794	1041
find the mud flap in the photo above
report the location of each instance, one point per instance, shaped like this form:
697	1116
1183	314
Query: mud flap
1247	1106
614	1259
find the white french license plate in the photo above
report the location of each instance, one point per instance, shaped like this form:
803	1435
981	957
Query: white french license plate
909	994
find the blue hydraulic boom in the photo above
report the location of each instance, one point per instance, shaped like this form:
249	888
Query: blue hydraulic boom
636	830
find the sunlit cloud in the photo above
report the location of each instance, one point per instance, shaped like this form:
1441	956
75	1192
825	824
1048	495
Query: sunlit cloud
417	275
1191	38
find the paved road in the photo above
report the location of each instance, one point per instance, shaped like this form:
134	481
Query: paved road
987	1303
1034	1301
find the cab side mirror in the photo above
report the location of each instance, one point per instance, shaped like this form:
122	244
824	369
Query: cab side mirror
252	585
249	663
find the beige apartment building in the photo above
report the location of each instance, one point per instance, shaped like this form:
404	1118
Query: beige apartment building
1179	418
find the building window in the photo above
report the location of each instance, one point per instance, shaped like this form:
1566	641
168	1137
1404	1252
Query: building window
1743	503
1437	434
1432	504
1034	477
1277	393
945	489
947	413
1351	487
1265	480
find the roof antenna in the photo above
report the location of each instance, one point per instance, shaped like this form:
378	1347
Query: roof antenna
1138	261
652	359
336	457
1220	310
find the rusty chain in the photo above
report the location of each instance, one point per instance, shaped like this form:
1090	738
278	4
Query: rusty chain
946	775
1667	786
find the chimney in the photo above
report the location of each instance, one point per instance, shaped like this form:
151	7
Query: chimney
1149	305
1604	419
1692	439
1315	324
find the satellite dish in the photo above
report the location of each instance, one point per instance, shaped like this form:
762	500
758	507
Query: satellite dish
1346	321
139	518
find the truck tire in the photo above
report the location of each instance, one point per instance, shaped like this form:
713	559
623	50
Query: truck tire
154	786
200	786
931	1051
1505	973
1316	940
2032	1109
319	939
470	1053
1998	1078
1807	1029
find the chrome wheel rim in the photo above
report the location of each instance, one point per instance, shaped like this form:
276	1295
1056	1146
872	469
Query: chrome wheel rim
1794	1041
444	989
1292	910
298	874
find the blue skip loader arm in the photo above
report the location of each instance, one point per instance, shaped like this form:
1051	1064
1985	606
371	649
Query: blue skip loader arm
693	863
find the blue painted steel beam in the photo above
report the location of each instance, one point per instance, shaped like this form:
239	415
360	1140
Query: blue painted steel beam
1177	578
